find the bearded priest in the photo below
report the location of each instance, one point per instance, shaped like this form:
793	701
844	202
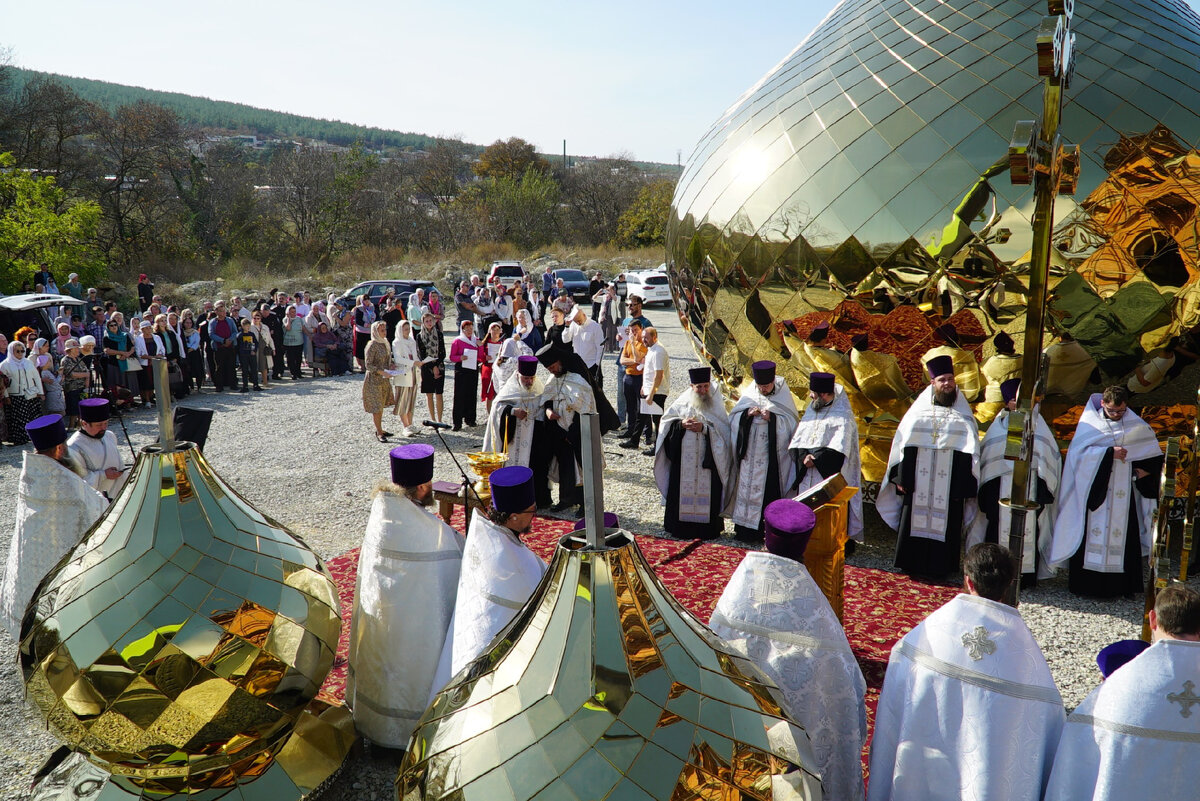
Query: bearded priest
514	413
762	423
1109	493
826	442
692	460
928	495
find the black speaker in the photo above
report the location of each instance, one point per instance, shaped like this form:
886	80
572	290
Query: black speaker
192	424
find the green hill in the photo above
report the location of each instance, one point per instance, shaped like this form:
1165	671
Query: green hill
234	117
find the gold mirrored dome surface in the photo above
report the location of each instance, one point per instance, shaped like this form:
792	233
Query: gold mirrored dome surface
864	182
604	687
179	644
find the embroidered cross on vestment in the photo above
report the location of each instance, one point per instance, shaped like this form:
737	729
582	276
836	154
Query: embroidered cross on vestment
1185	699
977	644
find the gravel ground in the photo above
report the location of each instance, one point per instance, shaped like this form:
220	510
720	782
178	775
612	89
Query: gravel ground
304	453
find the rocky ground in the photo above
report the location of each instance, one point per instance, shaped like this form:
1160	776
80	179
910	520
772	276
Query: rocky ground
304	453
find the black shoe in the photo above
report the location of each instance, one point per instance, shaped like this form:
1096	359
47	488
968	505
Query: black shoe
381	438
648	452
558	507
456	428
627	444
257	388
388	434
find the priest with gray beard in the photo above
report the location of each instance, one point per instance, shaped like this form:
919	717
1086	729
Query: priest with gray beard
826	442
761	423
692	460
928	495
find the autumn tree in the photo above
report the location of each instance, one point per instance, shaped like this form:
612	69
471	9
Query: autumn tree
40	225
509	158
595	193
644	224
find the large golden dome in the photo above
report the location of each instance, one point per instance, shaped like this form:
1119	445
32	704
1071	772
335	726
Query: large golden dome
867	173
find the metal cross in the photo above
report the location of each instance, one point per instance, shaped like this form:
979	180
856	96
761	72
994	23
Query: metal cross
1185	699
977	644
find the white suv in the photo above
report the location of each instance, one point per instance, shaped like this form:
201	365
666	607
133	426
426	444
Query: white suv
652	286
506	272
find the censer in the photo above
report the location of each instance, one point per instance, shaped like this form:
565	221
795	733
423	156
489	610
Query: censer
603	687
178	649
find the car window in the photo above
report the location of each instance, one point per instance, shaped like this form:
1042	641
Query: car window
656	280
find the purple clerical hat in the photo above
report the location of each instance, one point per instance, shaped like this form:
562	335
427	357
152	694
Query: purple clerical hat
93	410
527	365
412	465
610	521
512	489
821	383
788	525
1009	388
940	365
1114	656
46	432
764	372
700	375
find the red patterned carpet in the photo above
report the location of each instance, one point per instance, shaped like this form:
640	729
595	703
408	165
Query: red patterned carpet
881	607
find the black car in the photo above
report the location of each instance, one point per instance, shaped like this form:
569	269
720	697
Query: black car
377	289
575	282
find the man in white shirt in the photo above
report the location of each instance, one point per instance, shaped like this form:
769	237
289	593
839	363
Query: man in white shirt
587	338
503	309
95	448
656	379
969	710
1137	734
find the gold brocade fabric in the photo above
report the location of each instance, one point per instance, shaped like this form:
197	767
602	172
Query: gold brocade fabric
604	687
880	380
179	645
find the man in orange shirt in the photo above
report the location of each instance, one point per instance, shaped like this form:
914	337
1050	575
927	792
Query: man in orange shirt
633	359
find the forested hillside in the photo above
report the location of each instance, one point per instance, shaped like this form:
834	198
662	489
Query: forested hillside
202	112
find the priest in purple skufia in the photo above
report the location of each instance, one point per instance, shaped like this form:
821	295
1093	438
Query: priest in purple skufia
761	423
928	495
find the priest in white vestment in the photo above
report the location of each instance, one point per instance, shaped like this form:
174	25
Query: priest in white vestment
692	460
994	520
506	360
968	710
826	442
762	422
514	412
928	494
499	572
774	613
408	571
1109	493
1137	735
95	449
55	508
966	369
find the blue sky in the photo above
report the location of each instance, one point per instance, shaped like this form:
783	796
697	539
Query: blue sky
644	78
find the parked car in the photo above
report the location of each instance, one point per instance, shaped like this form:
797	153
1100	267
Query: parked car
577	283
34	311
652	286
506	272
377	289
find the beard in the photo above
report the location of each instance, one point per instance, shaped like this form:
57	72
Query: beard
946	398
819	404
702	403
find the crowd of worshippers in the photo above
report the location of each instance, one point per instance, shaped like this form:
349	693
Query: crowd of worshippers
968	708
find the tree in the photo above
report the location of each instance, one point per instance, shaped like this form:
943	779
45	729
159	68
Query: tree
40	226
523	212
595	193
644	224
509	158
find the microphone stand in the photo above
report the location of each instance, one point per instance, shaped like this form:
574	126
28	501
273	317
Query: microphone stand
467	483
120	415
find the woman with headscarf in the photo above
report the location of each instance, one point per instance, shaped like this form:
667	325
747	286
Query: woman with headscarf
25	392
526	331
607	298
293	341
312	318
489	351
147	346
377	389
464	353
364	316
431	350
506	362
434	303
324	343
266	347
404	384
173	351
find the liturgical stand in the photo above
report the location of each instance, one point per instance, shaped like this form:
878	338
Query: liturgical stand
825	556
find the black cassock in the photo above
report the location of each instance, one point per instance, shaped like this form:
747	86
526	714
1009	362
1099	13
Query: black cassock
827	461
673	444
1083	581
989	506
920	556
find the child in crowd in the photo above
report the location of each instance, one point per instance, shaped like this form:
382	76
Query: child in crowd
56	401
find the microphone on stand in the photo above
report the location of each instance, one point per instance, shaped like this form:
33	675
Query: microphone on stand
431	424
